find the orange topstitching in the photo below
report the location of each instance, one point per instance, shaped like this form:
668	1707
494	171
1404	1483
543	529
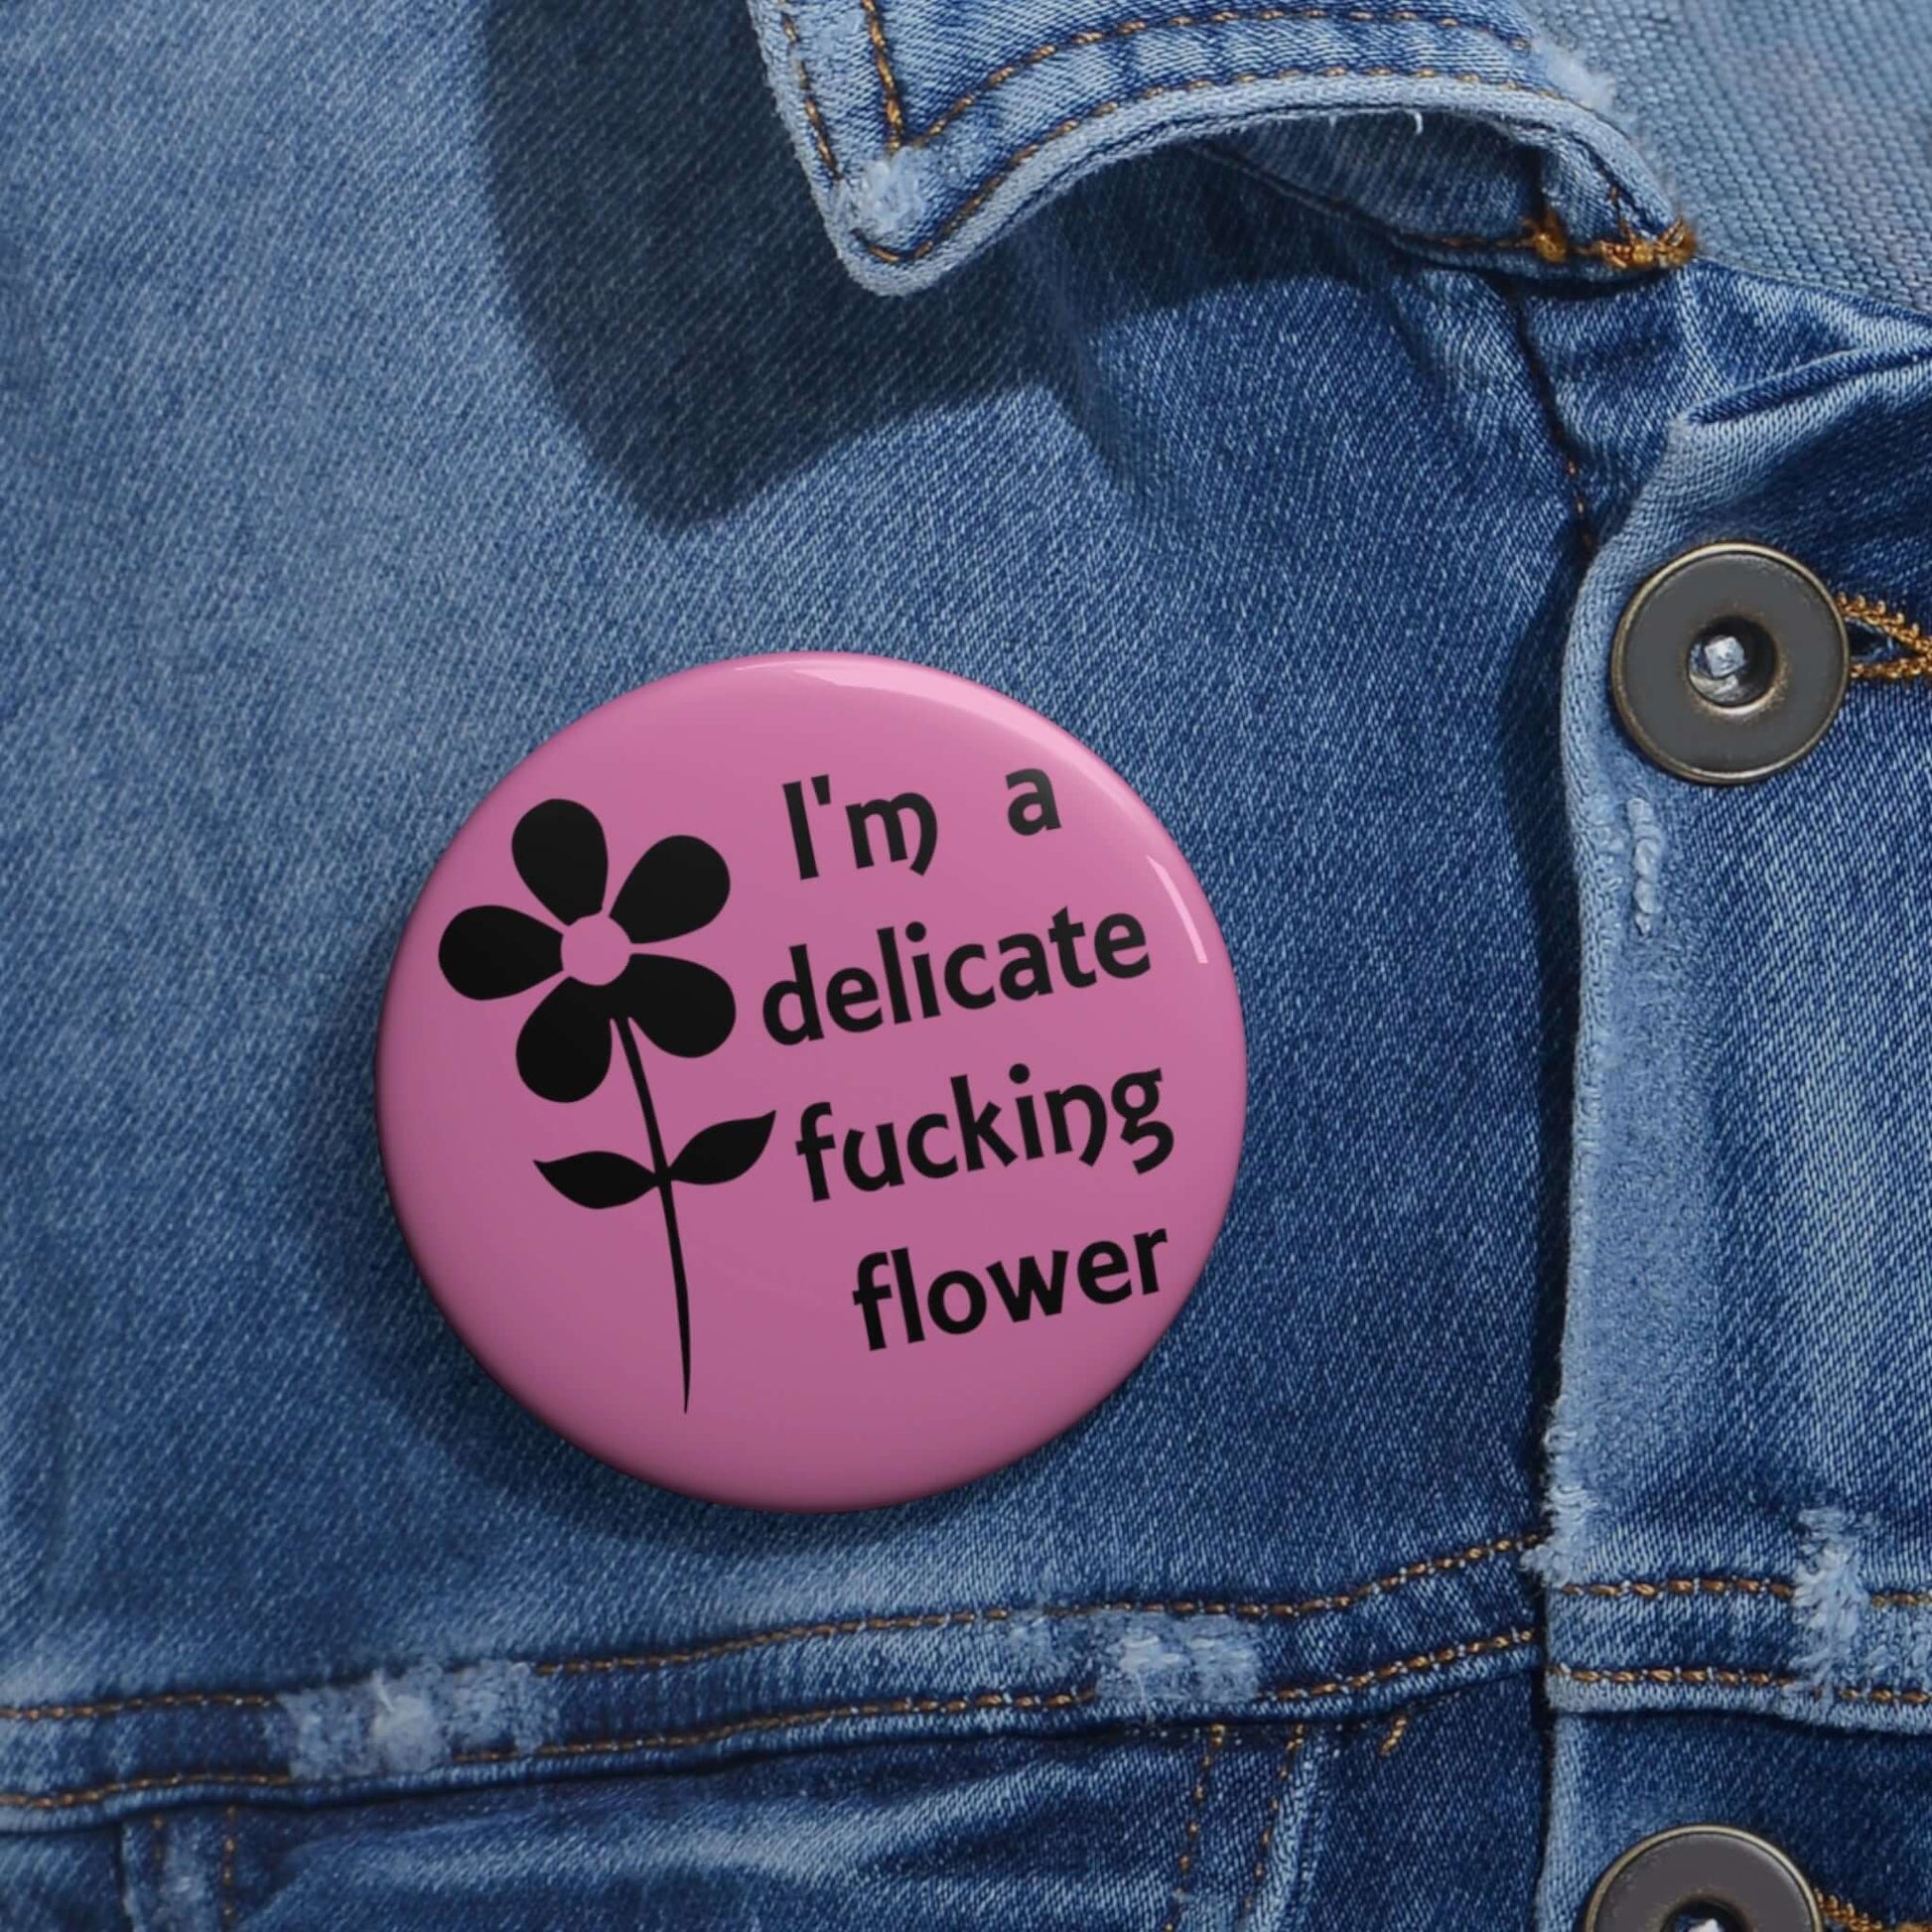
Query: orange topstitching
1332	1603
1544	234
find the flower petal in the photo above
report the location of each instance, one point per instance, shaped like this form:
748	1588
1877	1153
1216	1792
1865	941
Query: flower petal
679	885
564	1049
683	1008
491	951
559	851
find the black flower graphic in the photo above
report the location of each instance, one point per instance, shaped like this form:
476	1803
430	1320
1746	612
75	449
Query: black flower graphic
606	985
492	951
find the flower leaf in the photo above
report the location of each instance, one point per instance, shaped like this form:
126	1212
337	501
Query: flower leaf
723	1152
597	1179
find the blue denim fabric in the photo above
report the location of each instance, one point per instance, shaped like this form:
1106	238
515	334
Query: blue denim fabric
381	394
1796	128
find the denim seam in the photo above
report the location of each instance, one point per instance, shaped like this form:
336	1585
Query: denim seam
1560	441
1270	1819
1849	1918
905	1707
1629	250
1333	1604
890	93
1018	159
38	1714
821	136
901	1707
1543	234
1433	1660
1914	641
1218	1735
768	1723
1651	1590
1126	29
1842	1913
231	1824
1731	1678
161	1781
882	61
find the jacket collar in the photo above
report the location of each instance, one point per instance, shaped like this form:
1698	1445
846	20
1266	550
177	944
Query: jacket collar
927	127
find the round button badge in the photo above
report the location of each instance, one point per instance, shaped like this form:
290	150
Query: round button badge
811	1081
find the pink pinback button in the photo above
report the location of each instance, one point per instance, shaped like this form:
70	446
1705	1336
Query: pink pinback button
811	1081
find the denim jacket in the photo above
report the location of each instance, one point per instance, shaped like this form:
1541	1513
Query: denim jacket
1287	401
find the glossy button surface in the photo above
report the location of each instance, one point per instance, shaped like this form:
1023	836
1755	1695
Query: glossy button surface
1729	663
1710	1869
811	1081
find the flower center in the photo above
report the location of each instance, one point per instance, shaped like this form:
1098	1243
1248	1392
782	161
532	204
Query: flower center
596	950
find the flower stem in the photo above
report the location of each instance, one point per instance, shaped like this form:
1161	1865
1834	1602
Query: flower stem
636	1064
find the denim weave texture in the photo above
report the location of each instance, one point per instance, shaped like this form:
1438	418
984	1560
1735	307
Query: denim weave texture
1286	401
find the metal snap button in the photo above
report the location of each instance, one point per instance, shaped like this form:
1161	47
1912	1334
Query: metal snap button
1712	1870
1729	663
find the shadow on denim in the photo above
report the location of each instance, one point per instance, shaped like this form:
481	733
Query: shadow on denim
678	290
